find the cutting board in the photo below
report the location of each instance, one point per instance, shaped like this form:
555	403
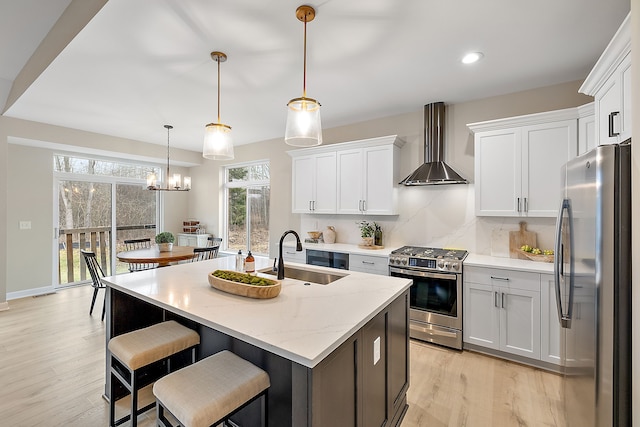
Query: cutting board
519	238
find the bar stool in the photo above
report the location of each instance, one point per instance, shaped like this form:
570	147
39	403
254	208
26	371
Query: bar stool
210	391
133	351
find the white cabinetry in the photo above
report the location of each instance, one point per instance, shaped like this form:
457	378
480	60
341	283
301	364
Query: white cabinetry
196	240
587	139
549	323
610	84
290	254
369	264
348	178
518	161
366	181
502	310
314	183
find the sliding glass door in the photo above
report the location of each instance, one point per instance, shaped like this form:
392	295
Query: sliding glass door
98	205
84	222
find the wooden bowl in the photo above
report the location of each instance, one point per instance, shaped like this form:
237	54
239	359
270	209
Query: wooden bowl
538	257
314	234
245	290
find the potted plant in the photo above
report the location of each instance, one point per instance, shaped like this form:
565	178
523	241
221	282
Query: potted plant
367	231
165	241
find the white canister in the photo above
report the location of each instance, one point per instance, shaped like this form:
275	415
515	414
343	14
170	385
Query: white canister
329	234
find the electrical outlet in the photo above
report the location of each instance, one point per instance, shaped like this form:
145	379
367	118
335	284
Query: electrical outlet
376	350
25	225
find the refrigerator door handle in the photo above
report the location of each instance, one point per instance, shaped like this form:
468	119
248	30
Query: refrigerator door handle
558	263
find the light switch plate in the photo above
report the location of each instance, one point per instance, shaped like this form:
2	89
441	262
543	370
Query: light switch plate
25	225
376	350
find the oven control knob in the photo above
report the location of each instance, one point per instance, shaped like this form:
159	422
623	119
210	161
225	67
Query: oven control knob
404	261
440	263
446	265
455	266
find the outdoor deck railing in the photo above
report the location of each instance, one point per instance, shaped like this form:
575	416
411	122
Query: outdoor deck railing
96	239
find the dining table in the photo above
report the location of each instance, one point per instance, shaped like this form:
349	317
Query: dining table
153	255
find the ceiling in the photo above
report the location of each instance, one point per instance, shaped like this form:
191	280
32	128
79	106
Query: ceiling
140	64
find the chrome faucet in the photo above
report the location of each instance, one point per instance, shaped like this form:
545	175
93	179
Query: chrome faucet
280	260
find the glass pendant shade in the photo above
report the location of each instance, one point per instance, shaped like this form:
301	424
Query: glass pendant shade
218	144
304	128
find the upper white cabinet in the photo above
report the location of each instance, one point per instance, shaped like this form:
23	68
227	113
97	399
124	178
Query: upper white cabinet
587	139
366	180
348	178
518	161
314	183
610	84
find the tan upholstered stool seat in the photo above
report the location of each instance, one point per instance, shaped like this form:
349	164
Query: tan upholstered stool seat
144	346
211	389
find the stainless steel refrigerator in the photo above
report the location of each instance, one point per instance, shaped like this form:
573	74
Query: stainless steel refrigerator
593	287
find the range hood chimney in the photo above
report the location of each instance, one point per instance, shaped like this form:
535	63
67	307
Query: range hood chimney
434	170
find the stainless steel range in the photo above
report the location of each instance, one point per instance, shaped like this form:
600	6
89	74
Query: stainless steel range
436	293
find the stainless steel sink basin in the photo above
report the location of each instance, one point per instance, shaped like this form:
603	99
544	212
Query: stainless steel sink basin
311	276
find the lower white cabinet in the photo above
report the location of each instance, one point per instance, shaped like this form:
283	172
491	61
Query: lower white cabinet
369	264
196	240
502	310
291	255
550	324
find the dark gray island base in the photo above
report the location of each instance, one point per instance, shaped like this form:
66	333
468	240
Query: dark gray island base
355	385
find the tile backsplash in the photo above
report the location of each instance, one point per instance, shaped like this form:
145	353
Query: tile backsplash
437	216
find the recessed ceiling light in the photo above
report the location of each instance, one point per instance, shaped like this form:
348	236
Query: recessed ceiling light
472	57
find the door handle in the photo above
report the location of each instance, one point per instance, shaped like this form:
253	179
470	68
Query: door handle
504	279
368	262
611	116
518	204
558	263
364	206
502	297
526	207
495	299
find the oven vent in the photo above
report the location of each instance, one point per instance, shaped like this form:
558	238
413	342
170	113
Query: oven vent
434	170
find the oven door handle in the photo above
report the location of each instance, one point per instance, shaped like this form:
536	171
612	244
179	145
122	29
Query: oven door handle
422	273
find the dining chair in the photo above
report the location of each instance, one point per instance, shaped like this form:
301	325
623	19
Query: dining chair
134	244
96	273
203	254
214	241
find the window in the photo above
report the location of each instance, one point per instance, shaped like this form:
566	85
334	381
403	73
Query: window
247	199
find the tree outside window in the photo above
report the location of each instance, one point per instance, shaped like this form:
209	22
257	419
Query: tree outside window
247	207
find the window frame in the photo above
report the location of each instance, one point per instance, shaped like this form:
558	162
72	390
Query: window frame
241	184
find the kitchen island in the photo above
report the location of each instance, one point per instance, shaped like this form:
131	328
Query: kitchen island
336	354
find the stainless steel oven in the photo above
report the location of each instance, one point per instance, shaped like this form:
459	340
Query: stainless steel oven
436	293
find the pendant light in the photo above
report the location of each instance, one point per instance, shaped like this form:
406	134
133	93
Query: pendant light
218	144
303	119
173	182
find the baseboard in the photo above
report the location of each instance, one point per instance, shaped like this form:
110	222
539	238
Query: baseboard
4	306
31	292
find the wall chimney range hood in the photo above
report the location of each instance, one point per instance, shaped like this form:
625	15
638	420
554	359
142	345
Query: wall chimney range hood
434	170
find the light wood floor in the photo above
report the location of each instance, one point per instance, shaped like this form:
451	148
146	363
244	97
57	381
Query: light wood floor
52	373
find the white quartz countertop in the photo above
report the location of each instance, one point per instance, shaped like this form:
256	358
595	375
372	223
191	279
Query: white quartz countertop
344	248
474	260
305	323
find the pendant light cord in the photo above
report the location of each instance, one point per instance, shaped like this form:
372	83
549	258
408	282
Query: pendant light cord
218	61
304	72
167	178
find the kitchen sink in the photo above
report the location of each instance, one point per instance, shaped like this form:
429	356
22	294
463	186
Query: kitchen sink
311	276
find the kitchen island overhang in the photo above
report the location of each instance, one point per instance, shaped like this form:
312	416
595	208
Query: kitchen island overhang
293	336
